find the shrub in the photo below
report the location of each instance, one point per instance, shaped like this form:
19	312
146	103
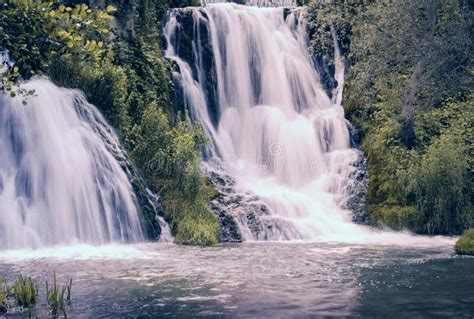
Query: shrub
440	182
465	244
35	33
198	226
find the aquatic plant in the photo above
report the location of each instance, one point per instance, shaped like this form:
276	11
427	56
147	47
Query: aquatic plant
55	296
25	291
3	295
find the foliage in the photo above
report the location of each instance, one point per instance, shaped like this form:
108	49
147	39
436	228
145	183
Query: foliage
465	244
55	296
35	33
25	290
3	295
198	226
326	17
410	71
440	183
175	164
419	47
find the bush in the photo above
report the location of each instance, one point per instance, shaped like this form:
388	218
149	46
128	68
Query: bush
465	244
440	182
198	226
170	156
397	217
35	33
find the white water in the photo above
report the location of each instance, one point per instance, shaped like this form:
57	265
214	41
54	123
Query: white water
59	182
256	3
279	134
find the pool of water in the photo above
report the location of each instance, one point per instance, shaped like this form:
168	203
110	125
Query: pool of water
253	280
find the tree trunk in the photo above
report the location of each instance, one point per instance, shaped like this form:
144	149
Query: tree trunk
407	131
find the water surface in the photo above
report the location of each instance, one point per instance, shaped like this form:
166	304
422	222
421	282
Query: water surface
255	280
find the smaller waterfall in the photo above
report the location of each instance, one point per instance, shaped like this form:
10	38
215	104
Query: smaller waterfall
60	181
339	69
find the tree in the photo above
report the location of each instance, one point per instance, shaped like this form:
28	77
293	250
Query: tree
422	45
34	33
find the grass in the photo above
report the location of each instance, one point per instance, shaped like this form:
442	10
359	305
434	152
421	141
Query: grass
3	295
25	291
57	297
465	244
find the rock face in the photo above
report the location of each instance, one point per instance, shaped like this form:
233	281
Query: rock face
190	39
244	216
357	191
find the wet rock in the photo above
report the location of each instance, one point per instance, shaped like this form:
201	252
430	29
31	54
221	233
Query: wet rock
357	191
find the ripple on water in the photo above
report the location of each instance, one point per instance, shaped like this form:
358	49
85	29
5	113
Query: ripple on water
253	280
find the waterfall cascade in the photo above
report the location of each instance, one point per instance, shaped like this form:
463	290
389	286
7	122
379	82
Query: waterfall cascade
246	75
60	181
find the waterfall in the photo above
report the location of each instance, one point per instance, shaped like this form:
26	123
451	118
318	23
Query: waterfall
247	77
60	180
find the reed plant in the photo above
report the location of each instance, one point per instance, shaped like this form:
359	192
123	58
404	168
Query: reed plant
4	290
25	291
57	297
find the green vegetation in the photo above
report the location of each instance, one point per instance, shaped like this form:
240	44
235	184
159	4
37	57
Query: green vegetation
37	32
121	70
55	296
3	295
25	291
465	244
175	164
409	93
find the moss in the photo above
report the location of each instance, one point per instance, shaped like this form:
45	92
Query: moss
465	244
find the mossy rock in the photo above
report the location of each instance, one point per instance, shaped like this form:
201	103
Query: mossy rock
465	244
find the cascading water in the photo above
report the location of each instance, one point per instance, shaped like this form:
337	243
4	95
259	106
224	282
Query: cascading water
247	77
59	181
